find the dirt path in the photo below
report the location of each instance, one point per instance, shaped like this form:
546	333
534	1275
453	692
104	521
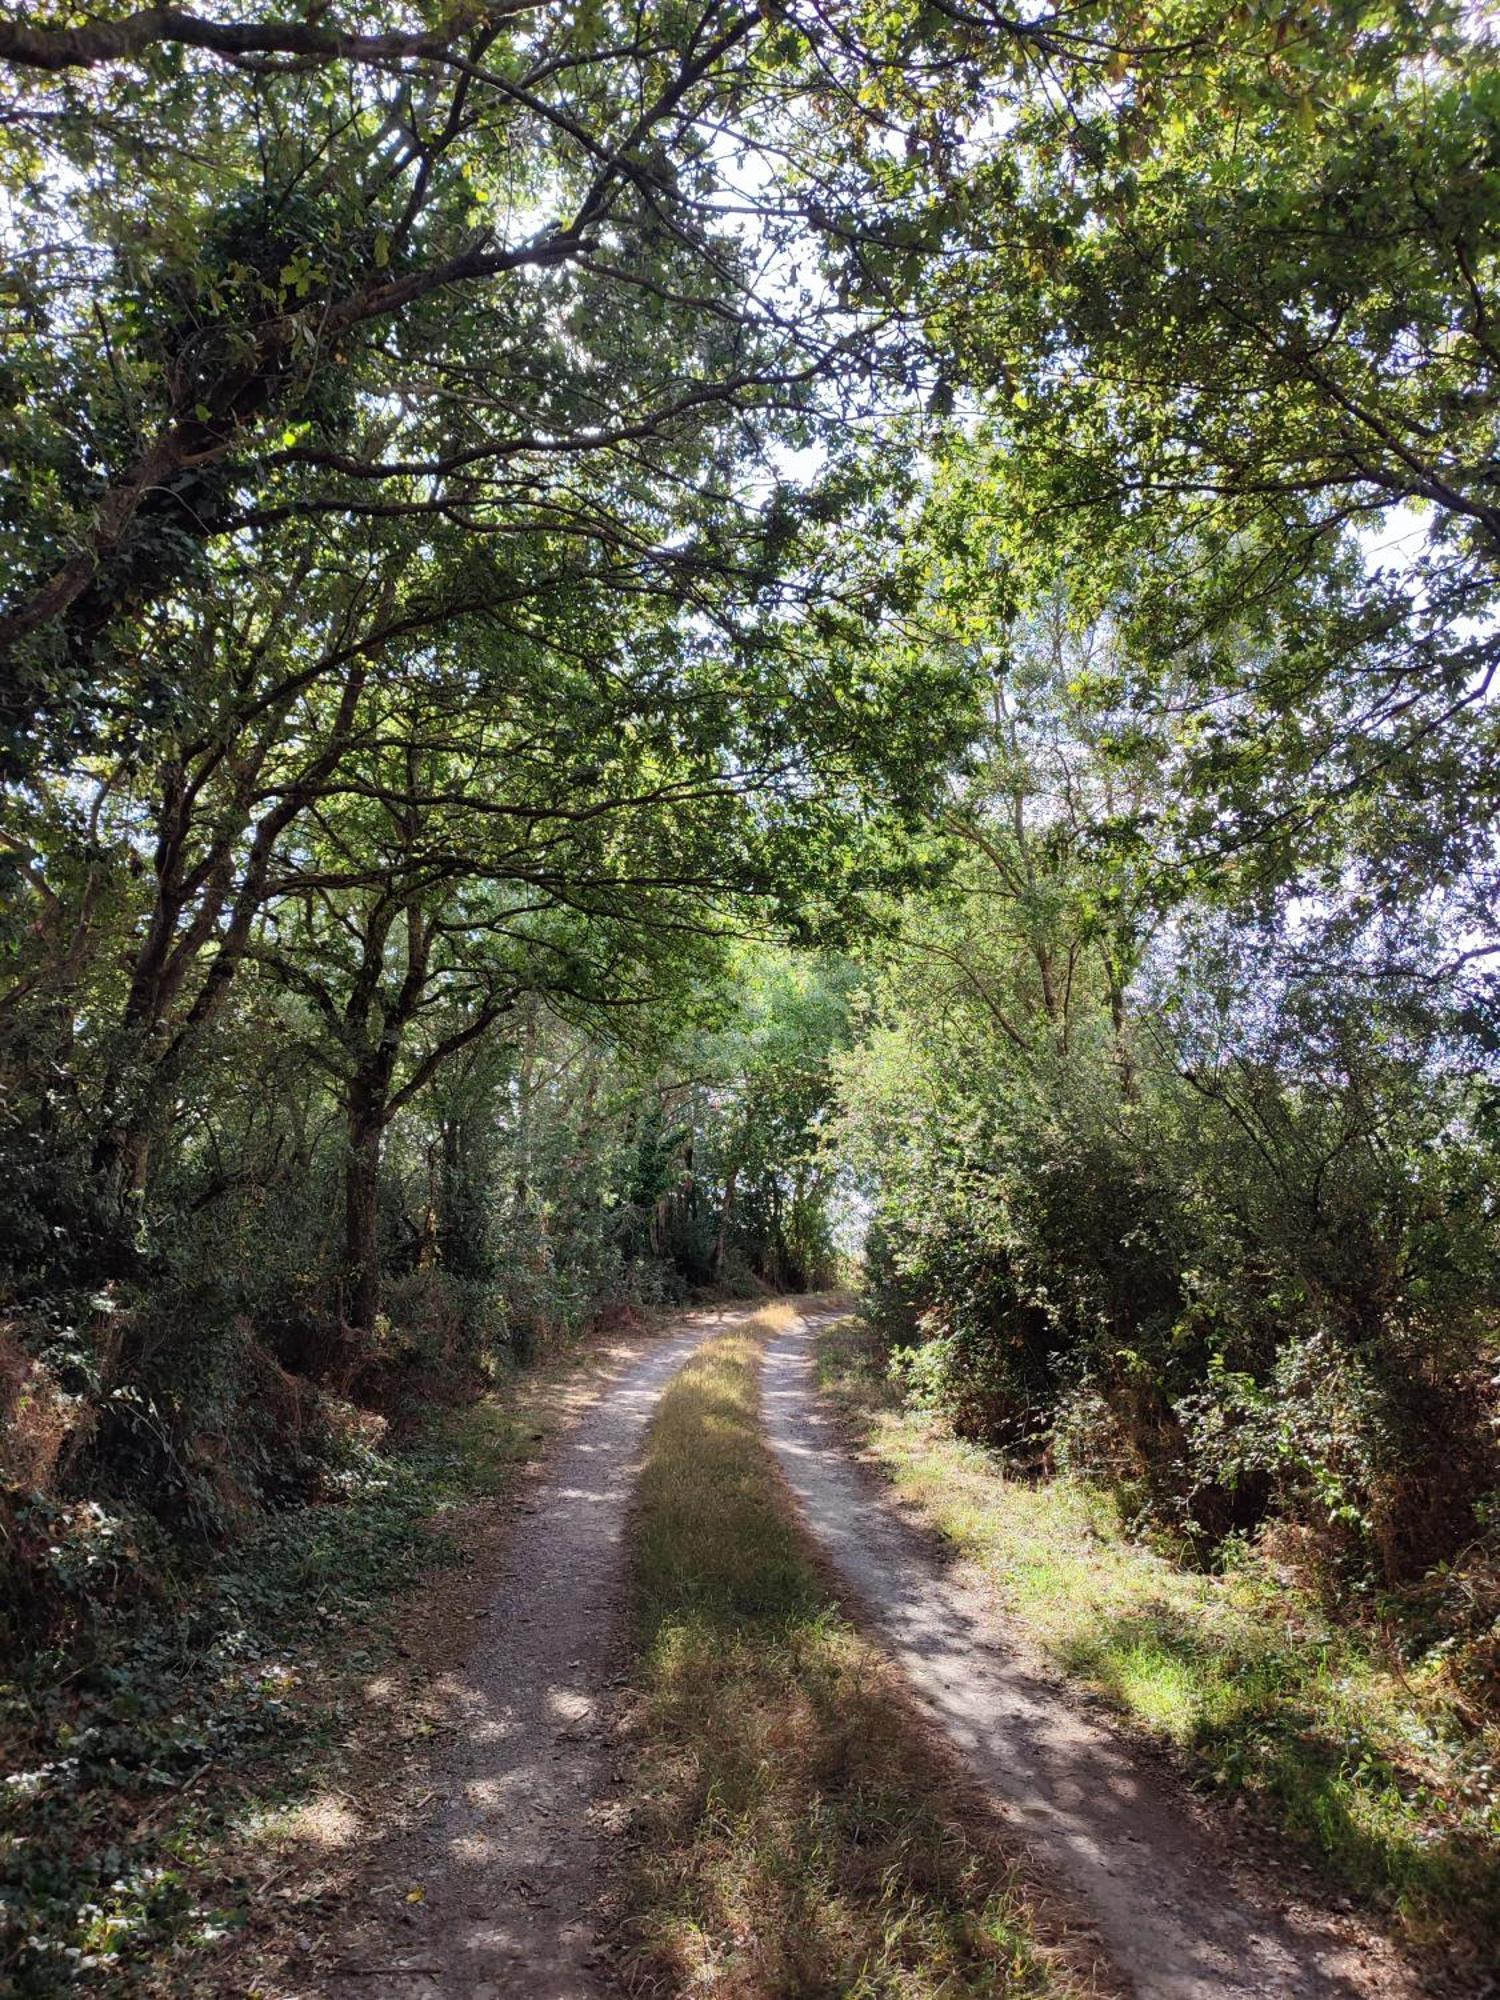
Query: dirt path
1116	1834
493	1895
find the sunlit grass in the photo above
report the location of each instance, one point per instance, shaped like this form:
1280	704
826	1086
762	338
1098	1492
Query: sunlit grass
797	1836
1245	1675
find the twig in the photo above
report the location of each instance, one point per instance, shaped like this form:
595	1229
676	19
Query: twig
369	1971
173	1797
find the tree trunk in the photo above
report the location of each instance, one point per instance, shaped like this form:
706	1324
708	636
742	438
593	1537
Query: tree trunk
721	1237
1119	1019
159	1024
360	1274
447	1204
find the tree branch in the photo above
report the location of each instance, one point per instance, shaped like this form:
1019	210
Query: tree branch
52	49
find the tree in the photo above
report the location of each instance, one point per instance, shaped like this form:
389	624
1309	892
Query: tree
1230	328
510	273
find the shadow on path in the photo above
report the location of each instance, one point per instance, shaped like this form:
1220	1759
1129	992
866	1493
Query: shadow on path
508	1861
1116	1835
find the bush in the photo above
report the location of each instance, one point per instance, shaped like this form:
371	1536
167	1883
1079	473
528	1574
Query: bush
1261	1295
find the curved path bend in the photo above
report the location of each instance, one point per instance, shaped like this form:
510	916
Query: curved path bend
1119	1838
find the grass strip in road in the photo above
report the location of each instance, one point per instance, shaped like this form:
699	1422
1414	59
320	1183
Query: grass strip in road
795	1833
1367	1764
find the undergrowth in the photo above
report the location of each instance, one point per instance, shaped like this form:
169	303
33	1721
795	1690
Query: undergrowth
134	1755
1371	1763
796	1835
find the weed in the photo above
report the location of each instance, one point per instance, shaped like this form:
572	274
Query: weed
134	1756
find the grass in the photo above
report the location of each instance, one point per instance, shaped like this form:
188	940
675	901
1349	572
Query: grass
140	1766
795	1833
1370	1765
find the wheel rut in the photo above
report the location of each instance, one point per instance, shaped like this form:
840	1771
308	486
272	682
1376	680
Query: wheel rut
1115	1835
495	1894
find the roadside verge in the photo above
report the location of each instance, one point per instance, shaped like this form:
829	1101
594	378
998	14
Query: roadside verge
1055	1606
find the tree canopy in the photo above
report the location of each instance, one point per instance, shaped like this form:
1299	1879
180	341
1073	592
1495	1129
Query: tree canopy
633	636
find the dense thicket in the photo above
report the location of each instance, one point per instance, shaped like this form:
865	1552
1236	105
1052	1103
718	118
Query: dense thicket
1157	1194
501	503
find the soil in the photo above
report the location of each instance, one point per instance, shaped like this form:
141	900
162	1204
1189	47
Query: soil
467	1861
488	1883
1144	1859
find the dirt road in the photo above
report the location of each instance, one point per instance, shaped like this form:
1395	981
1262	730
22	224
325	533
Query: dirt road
494	1896
495	1892
1114	1833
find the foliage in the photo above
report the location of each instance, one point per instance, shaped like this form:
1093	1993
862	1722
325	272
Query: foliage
630	634
542	1185
1157	1198
414	681
1233	365
216	1690
415	670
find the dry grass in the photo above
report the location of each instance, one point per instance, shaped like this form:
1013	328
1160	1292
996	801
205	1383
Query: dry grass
796	1833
